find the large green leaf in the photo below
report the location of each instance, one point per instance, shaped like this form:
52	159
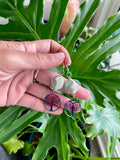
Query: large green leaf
106	30
85	12
26	22
22	20
56	134
18	125
9	115
104	120
87	59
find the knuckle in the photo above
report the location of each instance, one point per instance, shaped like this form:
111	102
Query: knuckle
41	59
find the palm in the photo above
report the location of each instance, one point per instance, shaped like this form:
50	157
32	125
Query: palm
15	87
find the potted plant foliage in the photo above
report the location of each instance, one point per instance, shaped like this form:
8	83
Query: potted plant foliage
101	112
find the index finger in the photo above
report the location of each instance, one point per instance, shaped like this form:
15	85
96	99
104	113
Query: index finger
38	46
47	46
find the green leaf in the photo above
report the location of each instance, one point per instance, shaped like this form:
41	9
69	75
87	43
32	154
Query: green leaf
18	125
43	119
88	59
13	145
23	21
66	13
60	126
26	22
2	109
28	148
85	12
9	115
75	149
104	120
106	30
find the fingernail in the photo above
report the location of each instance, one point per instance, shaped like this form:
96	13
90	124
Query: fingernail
58	56
67	61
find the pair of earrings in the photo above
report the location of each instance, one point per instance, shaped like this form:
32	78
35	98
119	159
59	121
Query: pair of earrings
52	102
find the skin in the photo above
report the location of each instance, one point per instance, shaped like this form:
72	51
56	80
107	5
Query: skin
21	62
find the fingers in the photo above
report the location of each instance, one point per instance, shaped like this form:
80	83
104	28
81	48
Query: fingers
18	60
48	46
35	96
39	46
41	92
45	77
36	104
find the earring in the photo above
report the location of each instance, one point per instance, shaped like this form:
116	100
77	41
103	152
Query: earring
52	102
71	87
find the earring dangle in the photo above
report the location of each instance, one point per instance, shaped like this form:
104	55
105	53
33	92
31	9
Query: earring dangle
71	87
52	102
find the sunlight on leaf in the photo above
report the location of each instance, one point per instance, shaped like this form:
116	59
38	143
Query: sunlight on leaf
43	119
13	145
104	120
66	13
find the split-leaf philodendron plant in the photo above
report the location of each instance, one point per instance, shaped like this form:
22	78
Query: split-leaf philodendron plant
102	111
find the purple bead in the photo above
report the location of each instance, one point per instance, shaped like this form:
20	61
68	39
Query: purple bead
73	106
52	102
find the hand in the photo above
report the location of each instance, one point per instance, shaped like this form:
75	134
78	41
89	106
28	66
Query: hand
19	63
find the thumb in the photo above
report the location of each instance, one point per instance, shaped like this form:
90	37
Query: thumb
17	60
